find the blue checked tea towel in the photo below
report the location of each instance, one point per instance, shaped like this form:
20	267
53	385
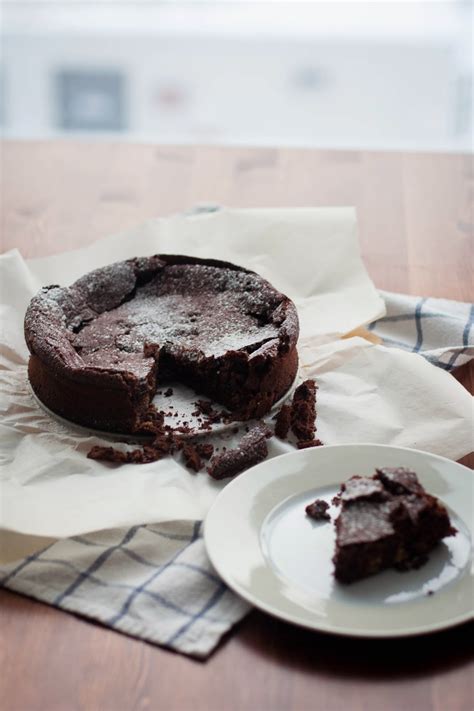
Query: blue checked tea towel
440	330
155	582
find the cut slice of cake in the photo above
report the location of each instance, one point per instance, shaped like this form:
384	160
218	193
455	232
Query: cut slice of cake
387	520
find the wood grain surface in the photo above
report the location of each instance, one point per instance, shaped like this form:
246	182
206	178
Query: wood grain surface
416	234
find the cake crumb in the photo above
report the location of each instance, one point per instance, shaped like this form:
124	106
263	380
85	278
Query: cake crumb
107	454
318	510
191	457
145	455
310	443
205	449
204	407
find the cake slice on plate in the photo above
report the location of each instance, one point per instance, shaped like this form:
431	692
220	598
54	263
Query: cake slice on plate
387	520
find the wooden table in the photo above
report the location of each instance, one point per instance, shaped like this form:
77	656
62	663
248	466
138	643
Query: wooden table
415	220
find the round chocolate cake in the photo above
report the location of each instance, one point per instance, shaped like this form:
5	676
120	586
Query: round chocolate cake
101	347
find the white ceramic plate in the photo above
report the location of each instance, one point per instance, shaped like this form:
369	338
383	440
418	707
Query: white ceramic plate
268	551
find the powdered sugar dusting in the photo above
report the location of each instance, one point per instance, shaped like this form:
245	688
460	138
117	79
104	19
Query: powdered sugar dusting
199	308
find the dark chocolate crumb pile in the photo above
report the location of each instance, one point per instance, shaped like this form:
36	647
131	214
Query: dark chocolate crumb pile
152	422
318	510
166	441
204	407
251	450
205	449
162	445
207	415
194	453
191	457
300	417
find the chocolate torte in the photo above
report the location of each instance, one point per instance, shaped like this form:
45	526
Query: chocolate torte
387	520
100	348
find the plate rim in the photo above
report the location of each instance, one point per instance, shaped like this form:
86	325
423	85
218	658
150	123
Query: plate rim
319	626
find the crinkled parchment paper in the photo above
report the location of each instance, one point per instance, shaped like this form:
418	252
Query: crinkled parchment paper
367	393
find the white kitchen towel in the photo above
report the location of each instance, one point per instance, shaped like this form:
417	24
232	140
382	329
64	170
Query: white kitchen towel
155	582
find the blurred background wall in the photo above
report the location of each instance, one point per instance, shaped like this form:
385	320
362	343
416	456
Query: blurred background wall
329	74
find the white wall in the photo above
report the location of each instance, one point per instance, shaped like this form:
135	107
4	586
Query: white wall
367	88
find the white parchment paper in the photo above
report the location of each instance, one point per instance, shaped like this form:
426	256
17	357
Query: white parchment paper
367	393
